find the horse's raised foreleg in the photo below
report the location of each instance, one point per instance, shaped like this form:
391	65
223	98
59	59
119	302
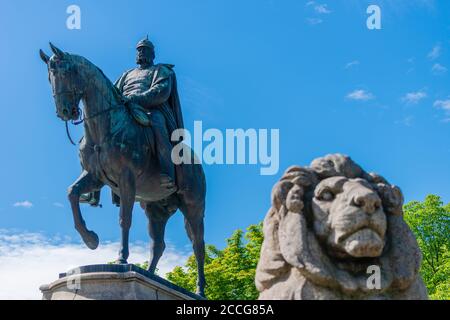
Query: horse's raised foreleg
157	220
127	190
84	184
193	221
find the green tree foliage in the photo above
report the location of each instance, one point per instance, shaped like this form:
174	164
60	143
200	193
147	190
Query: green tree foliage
430	222
230	272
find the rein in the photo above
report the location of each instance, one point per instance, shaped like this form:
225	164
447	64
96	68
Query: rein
68	134
83	119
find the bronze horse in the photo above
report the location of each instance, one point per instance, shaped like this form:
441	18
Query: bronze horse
117	152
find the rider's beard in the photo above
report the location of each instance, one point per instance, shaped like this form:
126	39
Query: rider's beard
143	61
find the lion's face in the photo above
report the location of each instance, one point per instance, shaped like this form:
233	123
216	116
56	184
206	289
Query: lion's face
349	218
327	224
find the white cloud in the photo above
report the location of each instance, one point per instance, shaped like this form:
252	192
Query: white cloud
443	104
319	9
414	97
406	121
360	95
28	260
435	52
314	21
322	9
58	204
24	204
438	69
351	64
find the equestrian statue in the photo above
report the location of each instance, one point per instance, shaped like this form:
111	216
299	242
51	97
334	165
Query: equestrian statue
127	146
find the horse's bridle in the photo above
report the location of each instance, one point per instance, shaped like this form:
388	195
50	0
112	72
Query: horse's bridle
81	117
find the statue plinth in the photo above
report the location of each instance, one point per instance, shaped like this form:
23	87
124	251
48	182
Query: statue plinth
113	282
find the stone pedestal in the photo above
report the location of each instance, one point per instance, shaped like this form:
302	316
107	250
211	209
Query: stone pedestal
113	282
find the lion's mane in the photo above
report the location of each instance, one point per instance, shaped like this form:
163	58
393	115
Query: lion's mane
295	265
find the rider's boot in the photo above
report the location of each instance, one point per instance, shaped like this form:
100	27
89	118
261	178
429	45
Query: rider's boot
164	150
91	198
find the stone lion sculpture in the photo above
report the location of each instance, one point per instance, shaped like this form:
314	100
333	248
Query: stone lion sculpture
330	227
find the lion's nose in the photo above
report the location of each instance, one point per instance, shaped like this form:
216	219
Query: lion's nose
368	200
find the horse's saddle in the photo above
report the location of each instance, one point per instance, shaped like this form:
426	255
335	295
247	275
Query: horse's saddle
142	117
139	114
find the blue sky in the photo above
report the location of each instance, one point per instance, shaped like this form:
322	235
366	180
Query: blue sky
311	69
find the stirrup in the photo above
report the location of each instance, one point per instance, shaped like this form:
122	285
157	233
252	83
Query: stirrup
166	176
91	198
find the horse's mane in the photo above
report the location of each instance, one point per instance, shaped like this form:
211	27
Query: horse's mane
84	61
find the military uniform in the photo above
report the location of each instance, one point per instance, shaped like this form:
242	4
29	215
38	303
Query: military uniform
153	87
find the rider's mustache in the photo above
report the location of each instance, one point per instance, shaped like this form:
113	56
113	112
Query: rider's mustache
141	59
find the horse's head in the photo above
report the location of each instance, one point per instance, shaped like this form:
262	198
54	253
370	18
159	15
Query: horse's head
66	81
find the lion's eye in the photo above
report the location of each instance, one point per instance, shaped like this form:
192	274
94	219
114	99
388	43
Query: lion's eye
326	195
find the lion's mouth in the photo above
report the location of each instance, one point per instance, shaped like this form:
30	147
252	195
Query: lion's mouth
365	242
367	225
362	233
356	231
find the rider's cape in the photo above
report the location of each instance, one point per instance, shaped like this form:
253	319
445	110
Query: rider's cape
175	119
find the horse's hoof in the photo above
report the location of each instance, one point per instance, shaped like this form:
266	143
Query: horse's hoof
91	240
121	261
201	293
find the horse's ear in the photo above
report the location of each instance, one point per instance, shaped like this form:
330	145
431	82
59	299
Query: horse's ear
43	56
58	52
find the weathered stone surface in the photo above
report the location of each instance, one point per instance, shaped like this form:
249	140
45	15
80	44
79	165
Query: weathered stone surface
329	225
113	282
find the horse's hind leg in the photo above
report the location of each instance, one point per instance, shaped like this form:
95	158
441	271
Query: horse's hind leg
157	220
127	189
84	184
193	220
